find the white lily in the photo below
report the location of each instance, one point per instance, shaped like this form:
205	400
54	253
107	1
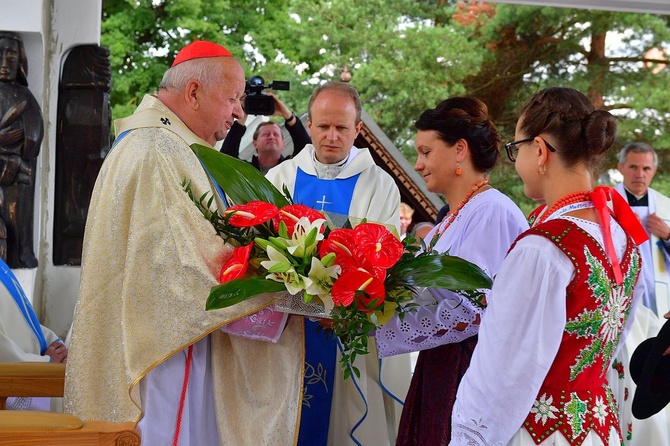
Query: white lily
281	270
321	278
306	236
278	262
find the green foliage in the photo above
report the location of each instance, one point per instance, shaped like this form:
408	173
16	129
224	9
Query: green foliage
560	42
243	182
239	290
662	182
428	271
406	55
401	63
505	179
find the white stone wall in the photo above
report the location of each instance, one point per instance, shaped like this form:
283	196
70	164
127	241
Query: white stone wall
49	29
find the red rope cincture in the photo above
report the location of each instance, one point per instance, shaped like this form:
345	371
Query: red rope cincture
187	372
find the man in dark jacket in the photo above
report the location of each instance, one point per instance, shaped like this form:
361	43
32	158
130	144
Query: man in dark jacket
268	140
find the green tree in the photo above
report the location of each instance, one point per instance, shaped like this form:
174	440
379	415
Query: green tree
603	54
600	53
401	62
144	37
407	55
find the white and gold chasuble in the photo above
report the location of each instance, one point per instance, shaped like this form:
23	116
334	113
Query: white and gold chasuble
149	261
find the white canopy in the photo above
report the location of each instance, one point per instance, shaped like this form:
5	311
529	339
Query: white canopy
648	6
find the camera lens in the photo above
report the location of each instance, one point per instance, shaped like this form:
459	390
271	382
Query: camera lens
255	82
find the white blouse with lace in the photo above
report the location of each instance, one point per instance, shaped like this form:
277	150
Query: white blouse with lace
482	233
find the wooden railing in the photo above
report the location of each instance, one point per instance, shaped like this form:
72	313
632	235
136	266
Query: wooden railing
27	428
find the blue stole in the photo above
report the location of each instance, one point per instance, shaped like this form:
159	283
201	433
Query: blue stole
119	138
218	188
320	350
12	284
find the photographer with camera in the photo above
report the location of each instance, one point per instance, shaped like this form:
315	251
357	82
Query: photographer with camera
267	140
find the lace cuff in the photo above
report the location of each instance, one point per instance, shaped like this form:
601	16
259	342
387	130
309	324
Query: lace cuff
452	320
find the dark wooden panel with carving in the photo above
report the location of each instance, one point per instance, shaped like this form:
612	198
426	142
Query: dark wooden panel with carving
82	141
21	132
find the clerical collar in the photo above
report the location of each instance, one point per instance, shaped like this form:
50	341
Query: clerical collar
634	200
328	171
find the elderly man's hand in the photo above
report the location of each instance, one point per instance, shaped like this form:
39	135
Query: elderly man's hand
658	227
57	352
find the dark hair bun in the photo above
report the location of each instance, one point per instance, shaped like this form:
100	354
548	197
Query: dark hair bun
465	117
600	131
581	133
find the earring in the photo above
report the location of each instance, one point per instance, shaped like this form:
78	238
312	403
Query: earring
459	171
541	169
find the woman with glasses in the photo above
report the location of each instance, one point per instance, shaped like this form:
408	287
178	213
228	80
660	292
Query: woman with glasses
457	146
563	295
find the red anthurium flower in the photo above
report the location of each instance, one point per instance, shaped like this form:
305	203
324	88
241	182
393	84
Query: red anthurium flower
253	213
374	292
341	242
292	213
341	239
345	287
360	286
364	263
237	265
378	244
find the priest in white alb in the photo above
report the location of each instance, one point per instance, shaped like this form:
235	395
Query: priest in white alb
335	177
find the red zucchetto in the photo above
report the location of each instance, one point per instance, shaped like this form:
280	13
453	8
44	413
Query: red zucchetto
199	49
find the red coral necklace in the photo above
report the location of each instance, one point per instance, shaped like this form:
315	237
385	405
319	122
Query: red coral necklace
567	200
451	216
599	200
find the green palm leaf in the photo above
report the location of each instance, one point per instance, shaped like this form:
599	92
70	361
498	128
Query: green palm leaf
238	290
441	271
241	181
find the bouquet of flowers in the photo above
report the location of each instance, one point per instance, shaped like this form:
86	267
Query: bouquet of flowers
359	275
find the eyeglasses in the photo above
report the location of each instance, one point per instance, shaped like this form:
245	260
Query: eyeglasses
512	149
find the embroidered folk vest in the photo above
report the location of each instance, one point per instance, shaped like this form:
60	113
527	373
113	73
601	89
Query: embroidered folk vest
575	397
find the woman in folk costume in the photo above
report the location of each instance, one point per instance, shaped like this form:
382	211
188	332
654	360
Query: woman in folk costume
562	298
457	146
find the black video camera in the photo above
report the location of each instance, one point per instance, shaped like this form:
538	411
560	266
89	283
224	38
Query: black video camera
257	103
